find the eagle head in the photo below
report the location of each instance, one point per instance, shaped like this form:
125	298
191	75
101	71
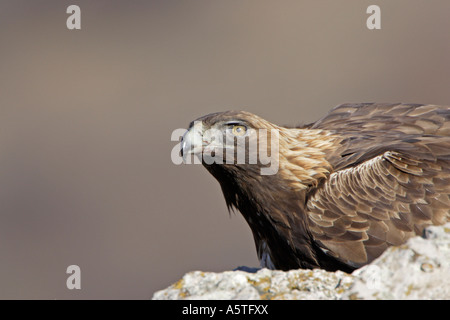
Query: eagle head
244	144
233	140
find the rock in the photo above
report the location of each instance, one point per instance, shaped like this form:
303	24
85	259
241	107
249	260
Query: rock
419	269
264	284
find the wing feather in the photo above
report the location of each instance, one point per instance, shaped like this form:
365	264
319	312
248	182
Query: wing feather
391	178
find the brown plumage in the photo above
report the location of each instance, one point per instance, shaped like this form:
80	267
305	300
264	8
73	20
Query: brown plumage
361	179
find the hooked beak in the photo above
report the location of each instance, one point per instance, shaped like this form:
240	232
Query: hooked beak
192	141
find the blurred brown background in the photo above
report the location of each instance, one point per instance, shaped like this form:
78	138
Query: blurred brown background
86	117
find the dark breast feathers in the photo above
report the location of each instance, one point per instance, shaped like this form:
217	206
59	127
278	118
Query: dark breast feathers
361	179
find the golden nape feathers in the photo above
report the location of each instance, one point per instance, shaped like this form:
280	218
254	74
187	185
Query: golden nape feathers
340	190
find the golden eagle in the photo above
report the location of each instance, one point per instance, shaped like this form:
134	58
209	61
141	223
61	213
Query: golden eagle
361	179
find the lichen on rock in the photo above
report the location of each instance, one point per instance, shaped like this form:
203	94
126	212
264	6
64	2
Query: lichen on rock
419	269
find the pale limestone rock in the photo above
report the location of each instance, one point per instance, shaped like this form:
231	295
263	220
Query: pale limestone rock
419	269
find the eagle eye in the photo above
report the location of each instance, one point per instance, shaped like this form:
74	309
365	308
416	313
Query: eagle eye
239	130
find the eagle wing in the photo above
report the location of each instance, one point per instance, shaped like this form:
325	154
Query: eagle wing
391	179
